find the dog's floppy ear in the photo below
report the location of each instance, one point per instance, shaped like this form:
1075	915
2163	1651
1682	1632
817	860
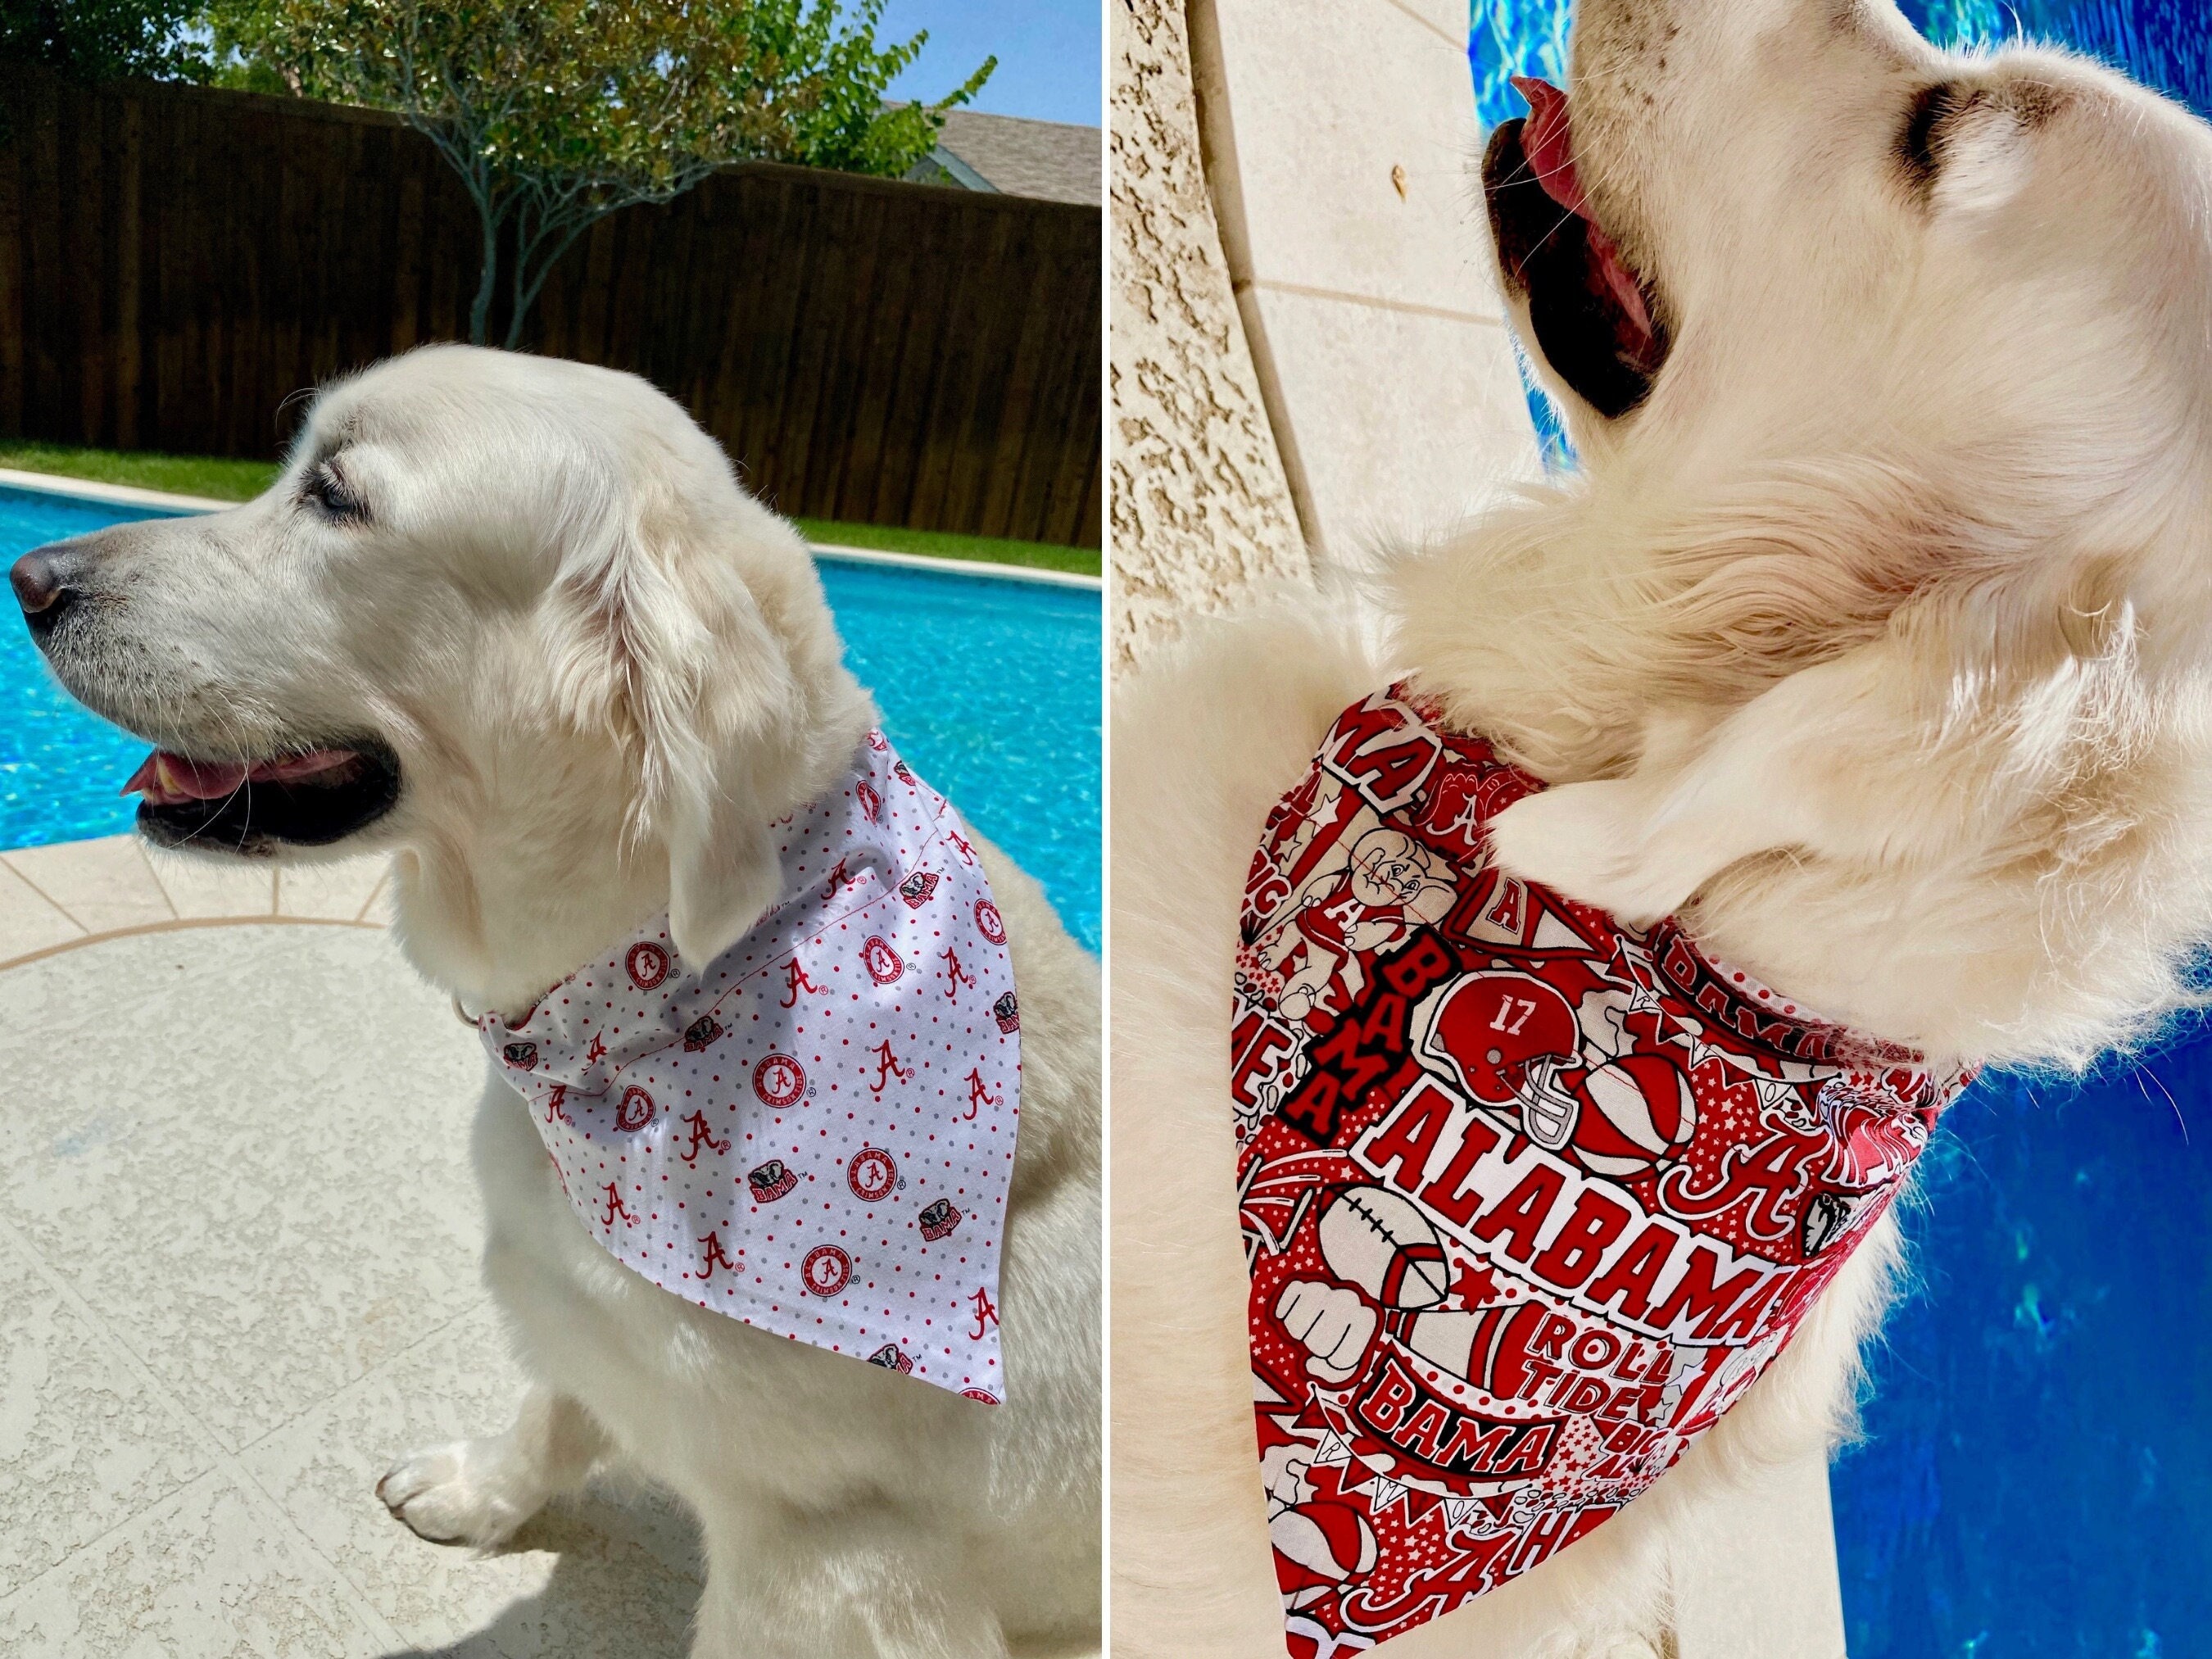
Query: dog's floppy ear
1977	145
699	685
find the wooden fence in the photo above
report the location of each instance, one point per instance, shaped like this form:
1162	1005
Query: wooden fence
176	263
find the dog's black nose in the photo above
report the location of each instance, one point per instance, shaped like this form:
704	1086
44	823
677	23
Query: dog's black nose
41	580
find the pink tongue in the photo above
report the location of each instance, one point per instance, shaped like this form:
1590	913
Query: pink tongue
1548	143
166	780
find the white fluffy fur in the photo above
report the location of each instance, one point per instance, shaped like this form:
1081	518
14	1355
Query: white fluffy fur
606	669
1877	644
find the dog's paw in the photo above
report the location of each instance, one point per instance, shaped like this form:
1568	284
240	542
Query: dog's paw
470	1491
1593	842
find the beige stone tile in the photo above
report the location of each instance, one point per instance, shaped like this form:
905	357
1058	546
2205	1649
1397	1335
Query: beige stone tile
330	892
84	1442
1762	1576
383	903
201	1574
208	885
1402	423
1324	102
247	1147
1447	19
102	884
611	1573
28	919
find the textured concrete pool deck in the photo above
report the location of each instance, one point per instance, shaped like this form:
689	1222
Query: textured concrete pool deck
238	1275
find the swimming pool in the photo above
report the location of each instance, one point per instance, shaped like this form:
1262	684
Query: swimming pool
989	686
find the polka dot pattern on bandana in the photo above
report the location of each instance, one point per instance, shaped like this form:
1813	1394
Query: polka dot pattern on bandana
814	1134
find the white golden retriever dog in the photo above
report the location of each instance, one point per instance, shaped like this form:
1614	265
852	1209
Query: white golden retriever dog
514	621
1874	639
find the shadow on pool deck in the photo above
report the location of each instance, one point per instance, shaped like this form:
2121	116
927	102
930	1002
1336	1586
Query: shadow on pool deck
575	1611
238	1239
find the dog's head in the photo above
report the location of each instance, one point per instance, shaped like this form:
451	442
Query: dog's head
502	613
1771	227
1846	329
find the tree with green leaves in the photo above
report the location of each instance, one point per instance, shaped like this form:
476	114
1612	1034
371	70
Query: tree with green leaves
556	112
103	40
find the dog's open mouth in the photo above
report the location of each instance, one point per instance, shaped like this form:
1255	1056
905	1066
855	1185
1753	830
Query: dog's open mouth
307	798
1592	312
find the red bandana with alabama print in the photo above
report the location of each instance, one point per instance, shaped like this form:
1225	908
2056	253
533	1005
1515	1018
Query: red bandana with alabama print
814	1133
1529	1198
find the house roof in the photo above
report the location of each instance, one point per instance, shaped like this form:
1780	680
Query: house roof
1054	160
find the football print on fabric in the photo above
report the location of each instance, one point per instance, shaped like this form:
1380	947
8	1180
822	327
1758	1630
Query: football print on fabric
1528	1198
806	1134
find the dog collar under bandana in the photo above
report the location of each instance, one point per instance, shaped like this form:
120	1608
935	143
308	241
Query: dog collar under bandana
1528	1198
814	1134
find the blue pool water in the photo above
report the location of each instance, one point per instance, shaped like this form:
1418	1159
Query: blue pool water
2032	1480
989	687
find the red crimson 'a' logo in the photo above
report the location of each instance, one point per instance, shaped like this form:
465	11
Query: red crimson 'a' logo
779	1080
636	1110
989	923
882	963
647	964
826	1270
873	1173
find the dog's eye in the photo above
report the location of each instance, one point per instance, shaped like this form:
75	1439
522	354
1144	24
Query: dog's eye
326	489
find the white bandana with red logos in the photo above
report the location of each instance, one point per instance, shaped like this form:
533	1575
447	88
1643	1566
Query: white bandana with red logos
1529	1198
813	1135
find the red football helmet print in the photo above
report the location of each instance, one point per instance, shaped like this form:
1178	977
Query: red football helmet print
1505	1037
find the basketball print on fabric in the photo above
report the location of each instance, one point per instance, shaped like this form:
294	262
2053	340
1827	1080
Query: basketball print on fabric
804	1134
1528	1198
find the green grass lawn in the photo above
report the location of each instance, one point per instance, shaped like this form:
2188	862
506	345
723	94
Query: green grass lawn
181	474
945	544
239	481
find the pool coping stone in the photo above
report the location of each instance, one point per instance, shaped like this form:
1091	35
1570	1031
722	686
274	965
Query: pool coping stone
66	895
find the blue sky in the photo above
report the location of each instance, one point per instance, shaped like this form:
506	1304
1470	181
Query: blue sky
1049	53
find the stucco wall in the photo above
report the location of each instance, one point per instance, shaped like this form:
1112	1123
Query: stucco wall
1199	504
1309	360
